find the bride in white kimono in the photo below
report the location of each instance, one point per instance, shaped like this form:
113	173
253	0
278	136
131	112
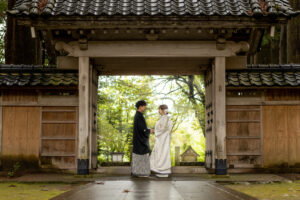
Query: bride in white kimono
160	158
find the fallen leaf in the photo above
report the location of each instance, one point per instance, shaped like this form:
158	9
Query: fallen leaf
126	191
12	186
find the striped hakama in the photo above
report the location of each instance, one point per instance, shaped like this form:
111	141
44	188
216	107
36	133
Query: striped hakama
140	165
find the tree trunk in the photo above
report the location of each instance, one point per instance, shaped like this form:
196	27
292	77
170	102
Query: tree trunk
20	47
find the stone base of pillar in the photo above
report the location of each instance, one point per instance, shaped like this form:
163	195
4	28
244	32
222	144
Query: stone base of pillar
82	166
221	166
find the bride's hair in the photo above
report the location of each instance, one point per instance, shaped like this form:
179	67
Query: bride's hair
164	107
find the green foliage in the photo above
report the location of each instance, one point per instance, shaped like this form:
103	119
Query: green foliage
2	30
14	170
188	94
267	39
116	108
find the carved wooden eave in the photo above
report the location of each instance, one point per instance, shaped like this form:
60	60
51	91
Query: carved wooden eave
88	22
155	49
199	28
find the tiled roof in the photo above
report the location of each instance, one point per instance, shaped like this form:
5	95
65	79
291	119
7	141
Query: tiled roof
264	76
154	7
253	76
12	75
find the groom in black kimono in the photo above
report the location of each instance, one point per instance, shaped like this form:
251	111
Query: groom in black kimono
140	165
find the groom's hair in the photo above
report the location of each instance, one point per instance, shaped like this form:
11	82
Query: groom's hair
140	103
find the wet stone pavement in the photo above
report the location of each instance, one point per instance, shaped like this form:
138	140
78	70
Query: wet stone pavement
135	189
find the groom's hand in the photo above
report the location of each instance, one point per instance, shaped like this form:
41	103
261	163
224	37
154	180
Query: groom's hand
151	130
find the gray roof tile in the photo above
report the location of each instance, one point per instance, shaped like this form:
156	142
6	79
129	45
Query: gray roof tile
254	76
21	75
153	7
264	75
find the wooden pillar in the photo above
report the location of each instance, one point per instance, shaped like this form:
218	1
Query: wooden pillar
84	110
219	108
93	117
209	122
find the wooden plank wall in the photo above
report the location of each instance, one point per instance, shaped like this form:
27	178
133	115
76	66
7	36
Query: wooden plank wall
243	140
59	136
281	128
21	131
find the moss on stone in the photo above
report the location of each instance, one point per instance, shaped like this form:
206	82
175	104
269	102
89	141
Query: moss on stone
272	191
31	191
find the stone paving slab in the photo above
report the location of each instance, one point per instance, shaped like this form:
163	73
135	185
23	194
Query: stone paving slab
152	190
178	186
69	178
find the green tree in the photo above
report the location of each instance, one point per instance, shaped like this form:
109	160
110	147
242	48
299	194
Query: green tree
116	99
116	108
2	30
189	91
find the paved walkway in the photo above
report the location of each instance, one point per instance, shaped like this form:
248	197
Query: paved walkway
135	189
69	178
178	186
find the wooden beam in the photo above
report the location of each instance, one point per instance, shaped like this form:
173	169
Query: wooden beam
244	154
244	100
151	66
51	100
257	101
58	154
83	136
59	122
243	121
67	62
236	62
243	137
96	22
159	49
58	138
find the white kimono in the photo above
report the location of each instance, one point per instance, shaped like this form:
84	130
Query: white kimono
160	158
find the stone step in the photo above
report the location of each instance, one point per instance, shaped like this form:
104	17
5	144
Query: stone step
125	170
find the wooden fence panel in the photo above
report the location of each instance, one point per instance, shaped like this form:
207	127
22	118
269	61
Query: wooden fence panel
243	129
59	130
59	137
243	136
281	128
293	129
21	131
